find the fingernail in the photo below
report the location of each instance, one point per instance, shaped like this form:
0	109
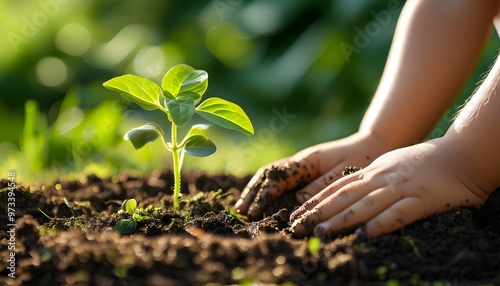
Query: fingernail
250	212
305	196
319	231
238	204
360	231
298	230
296	213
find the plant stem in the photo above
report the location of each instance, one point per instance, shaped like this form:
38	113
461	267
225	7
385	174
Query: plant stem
177	168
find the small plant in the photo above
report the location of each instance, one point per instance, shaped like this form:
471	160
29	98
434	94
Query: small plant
126	226
314	245
181	90
382	271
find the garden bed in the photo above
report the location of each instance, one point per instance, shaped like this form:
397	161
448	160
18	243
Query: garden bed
206	242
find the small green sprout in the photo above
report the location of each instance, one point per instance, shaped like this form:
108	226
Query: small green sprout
126	226
382	271
313	245
69	205
129	206
181	90
46	215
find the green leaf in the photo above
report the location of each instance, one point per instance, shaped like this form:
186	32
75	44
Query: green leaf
198	129
144	134
130	206
137	217
126	226
189	94
34	140
136	89
314	244
181	110
199	146
225	114
182	78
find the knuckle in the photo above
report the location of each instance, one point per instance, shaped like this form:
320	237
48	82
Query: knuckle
398	212
368	202
344	195
375	226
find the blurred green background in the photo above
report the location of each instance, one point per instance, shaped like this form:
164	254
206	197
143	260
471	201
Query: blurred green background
293	66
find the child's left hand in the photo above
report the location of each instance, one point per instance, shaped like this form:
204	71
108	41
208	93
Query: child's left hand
397	189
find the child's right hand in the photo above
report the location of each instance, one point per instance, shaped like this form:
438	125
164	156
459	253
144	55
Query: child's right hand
315	168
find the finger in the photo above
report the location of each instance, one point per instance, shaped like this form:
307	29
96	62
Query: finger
360	212
333	205
320	183
321	196
253	187
248	194
280	179
403	212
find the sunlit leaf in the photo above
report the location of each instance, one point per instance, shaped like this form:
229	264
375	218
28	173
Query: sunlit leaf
144	134
130	206
199	146
198	129
182	78
189	94
126	226
314	244
225	114
137	217
181	110
136	89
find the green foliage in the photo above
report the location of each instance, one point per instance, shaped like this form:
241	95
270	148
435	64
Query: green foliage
199	146
46	215
392	282
414	247
126	226
43	230
382	271
184	81
34	139
322	276
130	206
236	218
294	61
136	89
225	114
181	89
313	245
69	205
144	134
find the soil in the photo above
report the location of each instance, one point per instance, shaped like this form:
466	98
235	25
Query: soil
207	243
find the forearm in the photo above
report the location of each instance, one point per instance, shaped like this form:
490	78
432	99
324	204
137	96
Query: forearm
476	131
435	48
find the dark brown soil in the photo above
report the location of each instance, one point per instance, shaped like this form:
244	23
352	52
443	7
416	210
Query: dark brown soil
206	242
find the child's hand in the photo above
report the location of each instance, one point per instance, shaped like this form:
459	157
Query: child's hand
313	168
397	189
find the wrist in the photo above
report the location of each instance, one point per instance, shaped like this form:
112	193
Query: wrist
375	142
479	176
367	145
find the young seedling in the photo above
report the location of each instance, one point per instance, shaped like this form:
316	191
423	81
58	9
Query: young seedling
314	245
126	226
181	90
